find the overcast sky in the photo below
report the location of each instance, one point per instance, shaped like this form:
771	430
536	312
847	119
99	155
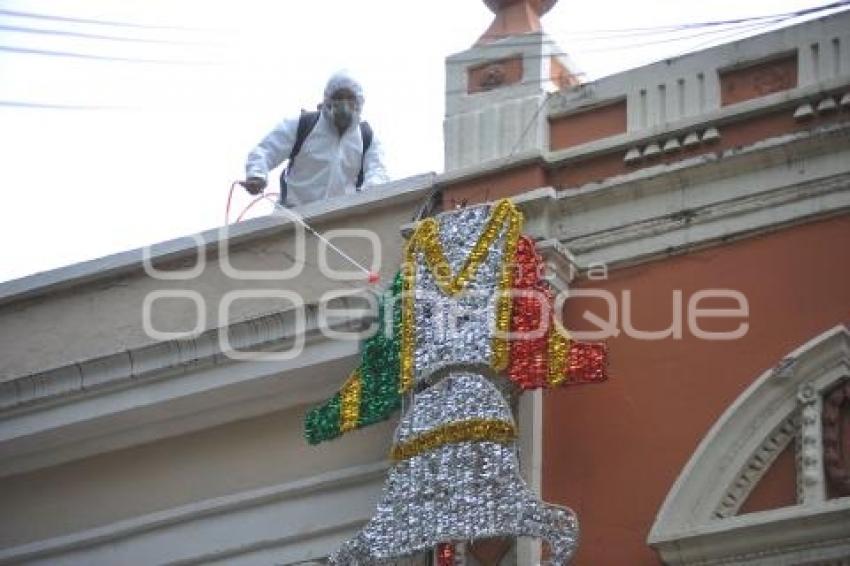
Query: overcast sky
108	144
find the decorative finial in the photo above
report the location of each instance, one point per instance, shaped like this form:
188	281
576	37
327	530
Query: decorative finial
514	17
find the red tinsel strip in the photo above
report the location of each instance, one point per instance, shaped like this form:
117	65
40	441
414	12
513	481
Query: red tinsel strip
446	554
588	363
528	357
529	363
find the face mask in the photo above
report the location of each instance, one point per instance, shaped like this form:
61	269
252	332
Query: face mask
341	114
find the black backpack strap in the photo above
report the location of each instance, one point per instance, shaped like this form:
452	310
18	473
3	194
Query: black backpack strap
306	123
366	134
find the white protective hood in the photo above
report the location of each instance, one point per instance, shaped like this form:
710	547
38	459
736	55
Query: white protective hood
328	163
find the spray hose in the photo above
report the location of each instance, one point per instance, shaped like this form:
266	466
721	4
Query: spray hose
372	277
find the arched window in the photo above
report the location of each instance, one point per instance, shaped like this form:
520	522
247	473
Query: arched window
798	406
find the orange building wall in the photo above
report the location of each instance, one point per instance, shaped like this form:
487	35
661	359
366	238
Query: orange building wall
522	178
588	125
497	185
761	79
494	74
612	451
778	486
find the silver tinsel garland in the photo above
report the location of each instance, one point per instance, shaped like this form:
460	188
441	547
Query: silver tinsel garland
457	478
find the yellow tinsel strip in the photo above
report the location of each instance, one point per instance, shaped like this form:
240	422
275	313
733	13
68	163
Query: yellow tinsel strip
426	238
500	355
559	353
408	314
350	402
501	210
475	430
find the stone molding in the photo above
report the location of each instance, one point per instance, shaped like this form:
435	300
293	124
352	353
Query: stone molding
260	526
169	388
162	359
695	525
756	467
698	202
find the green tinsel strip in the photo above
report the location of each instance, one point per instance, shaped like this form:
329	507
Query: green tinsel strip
322	423
379	371
379	364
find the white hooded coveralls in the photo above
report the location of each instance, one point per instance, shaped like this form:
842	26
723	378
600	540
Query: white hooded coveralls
328	163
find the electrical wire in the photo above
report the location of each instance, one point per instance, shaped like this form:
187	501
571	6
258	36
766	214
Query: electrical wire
714	31
713	40
717	27
614	34
91	56
68	19
741	25
577	51
48	106
98	36
655	29
733	27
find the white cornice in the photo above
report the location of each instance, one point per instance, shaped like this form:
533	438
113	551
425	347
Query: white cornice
168	388
295	521
670	209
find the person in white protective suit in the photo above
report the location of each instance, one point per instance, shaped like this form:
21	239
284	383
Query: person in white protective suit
325	150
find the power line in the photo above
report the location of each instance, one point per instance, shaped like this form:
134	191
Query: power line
48	106
750	24
83	35
676	28
741	28
655	29
91	56
732	33
718	34
54	18
739	25
632	46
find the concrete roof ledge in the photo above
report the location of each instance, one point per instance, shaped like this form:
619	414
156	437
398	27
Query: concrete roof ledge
172	387
88	377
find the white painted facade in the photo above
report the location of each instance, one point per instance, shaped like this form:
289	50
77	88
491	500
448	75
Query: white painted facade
505	121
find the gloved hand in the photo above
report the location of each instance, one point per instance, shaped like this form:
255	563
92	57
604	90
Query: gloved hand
254	185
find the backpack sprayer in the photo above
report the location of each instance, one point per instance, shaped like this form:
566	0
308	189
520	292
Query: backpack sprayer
371	276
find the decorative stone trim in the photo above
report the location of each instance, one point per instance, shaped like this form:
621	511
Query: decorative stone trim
697	524
168	389
560	264
637	154
822	106
804	111
698	201
601	246
240	525
88	377
756	467
810	477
